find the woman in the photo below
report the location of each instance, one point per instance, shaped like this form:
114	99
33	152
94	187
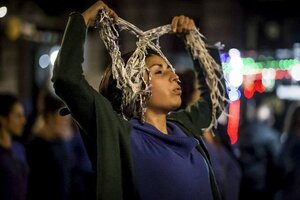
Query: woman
13	168
154	154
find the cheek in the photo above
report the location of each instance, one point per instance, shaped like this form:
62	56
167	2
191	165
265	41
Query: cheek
158	90
16	127
157	95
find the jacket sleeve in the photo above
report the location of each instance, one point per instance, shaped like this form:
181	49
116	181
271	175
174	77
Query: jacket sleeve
72	87
199	115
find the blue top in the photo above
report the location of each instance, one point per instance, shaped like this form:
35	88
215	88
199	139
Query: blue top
227	171
168	166
13	176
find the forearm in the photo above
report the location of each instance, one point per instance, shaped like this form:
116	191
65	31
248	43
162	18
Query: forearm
215	54
214	77
68	80
203	108
71	86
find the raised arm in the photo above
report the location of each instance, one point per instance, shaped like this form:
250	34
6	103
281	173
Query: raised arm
207	65
69	82
203	78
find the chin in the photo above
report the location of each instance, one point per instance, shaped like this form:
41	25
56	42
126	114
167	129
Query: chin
175	106
18	133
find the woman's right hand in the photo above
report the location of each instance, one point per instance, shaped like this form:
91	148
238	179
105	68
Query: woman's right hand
91	13
182	24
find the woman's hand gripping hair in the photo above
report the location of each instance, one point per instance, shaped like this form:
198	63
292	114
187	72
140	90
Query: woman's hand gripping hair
182	24
91	13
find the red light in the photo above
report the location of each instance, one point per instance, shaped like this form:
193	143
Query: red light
259	86
233	121
249	90
248	93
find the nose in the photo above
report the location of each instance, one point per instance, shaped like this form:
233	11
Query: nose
175	77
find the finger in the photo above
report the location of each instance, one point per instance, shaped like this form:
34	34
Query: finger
191	25
181	24
185	25
113	15
100	5
174	24
106	8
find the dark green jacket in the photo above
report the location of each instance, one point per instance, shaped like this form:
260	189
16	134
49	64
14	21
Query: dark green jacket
106	134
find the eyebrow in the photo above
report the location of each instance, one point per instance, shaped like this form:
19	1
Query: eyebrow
160	65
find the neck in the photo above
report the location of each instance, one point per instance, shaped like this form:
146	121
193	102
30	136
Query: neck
52	131
159	121
208	135
5	139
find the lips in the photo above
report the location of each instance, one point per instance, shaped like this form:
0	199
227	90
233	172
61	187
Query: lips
177	90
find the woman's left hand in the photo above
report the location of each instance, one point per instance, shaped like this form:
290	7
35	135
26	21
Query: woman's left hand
182	24
90	14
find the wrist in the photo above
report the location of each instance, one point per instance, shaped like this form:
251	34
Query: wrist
86	19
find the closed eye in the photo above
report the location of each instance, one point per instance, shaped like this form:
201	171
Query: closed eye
158	72
157	69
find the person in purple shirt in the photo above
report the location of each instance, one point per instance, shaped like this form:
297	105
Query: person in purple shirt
138	146
13	166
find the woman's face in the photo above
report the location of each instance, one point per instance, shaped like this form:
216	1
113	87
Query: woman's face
14	123
166	92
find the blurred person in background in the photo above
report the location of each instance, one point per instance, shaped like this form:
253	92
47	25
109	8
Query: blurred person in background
288	174
259	145
59	167
224	161
13	166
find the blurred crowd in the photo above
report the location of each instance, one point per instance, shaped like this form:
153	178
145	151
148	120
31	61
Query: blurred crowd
51	163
